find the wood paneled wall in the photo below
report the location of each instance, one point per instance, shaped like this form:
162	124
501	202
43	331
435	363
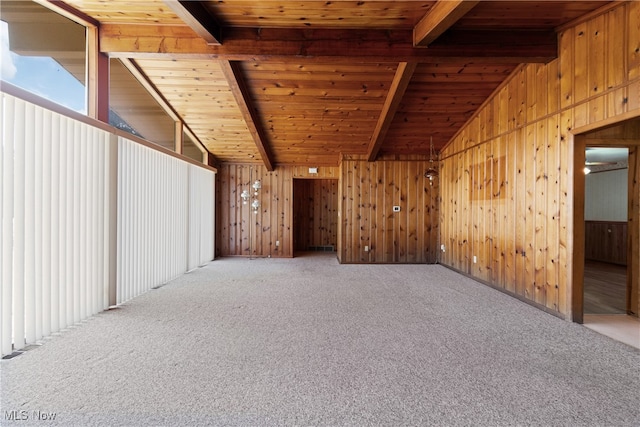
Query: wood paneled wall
606	241
370	190
366	194
507	177
239	231
315	213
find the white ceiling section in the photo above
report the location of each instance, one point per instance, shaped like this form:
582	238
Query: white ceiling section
607	158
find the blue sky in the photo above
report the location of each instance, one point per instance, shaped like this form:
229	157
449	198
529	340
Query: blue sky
40	75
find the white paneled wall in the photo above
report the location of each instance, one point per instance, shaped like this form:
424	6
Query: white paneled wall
606	196
89	219
54	252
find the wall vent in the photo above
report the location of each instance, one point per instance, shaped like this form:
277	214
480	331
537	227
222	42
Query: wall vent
327	248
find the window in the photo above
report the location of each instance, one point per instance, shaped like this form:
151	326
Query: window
191	150
134	110
43	53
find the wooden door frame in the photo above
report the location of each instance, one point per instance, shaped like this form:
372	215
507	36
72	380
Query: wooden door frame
633	243
575	297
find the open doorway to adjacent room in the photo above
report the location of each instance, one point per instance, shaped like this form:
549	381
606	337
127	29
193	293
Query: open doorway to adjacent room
606	231
315	216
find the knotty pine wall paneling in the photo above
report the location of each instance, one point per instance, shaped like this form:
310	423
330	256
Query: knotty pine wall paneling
240	232
507	176
229	221
369	192
606	241
326	212
245	233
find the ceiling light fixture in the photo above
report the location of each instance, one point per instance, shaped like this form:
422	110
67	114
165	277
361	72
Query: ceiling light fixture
254	200
432	171
246	195
256	186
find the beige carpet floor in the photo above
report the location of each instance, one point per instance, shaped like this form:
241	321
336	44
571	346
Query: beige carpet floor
309	342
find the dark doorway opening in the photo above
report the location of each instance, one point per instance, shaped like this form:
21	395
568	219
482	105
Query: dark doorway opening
315	215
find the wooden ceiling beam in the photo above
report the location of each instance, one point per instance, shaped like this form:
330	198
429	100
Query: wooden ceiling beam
439	19
240	90
399	85
69	12
340	46
199	18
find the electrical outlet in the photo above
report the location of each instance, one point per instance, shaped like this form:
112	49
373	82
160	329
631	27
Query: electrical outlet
277	243
475	259
396	208
442	248
366	248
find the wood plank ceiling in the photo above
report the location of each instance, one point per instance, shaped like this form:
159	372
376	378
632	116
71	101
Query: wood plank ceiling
305	82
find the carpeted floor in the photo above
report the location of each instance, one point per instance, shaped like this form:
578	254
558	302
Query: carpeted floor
306	341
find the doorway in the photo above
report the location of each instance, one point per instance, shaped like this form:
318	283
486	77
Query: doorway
606	253
315	215
606	230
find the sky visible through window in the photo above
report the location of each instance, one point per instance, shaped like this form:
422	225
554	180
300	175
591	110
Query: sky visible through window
41	76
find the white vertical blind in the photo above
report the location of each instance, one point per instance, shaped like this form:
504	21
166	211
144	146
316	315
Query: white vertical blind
53	239
201	214
165	218
18	224
6	316
152	229
57	224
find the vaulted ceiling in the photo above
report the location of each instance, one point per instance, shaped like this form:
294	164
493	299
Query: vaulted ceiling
304	82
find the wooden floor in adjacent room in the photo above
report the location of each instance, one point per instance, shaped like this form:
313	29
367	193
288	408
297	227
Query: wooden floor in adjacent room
605	288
